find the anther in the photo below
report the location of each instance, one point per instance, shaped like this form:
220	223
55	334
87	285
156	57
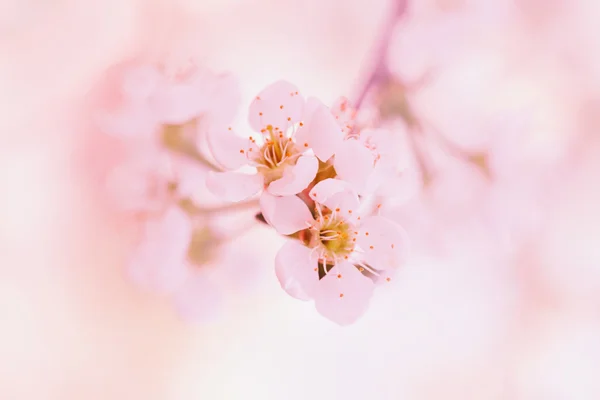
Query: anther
305	144
337	209
371	247
242	151
281	107
341	295
366	233
339	276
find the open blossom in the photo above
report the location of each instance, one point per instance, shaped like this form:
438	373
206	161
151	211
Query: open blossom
343	255
283	166
141	108
186	263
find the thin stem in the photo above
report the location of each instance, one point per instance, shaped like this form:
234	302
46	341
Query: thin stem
380	71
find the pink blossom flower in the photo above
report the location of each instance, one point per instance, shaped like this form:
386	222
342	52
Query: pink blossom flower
281	163
161	263
351	253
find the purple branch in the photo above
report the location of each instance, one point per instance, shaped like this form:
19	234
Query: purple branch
380	71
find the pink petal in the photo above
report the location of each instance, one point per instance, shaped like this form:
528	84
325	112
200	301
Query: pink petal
296	270
133	121
140	82
286	214
321	132
226	147
180	102
343	295
158	263
199	300
233	186
335	193
385	243
354	163
225	98
274	105
295	178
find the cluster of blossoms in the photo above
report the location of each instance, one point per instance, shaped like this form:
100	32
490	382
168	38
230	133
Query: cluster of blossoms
320	176
317	173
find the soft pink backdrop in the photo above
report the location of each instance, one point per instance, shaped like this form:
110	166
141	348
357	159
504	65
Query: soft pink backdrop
462	325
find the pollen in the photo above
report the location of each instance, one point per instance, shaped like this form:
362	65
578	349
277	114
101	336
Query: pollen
388	279
337	209
345	257
281	107
242	151
289	118
260	113
301	124
371	247
281	135
349	211
305	144
339	276
341	295
366	233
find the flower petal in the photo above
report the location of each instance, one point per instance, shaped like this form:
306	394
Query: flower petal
334	194
297	270
199	300
233	186
131	121
354	163
286	214
225	98
279	105
385	243
321	132
139	82
180	102
158	263
295	178
343	295
229	149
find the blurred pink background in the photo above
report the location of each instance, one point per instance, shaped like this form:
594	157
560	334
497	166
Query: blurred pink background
486	314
